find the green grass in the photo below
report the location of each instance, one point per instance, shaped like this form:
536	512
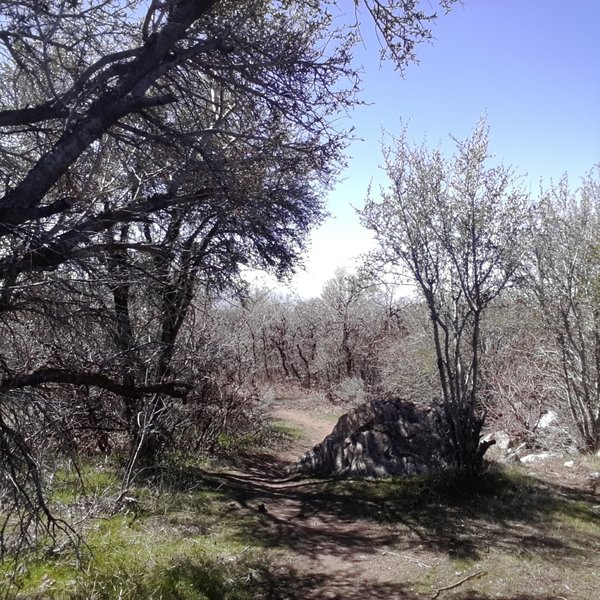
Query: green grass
275	434
179	541
92	479
285	430
132	565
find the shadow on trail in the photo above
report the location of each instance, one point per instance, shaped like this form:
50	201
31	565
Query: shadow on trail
310	588
293	586
475	596
259	465
336	517
338	529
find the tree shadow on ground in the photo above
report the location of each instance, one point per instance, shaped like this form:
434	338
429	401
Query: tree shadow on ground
334	586
260	465
291	585
471	595
505	511
349	521
294	586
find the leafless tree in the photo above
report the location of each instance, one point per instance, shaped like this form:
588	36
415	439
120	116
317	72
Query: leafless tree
519	380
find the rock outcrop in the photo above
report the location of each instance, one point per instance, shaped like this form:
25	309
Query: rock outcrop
385	437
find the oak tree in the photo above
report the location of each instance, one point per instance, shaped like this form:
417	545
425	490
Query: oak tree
150	149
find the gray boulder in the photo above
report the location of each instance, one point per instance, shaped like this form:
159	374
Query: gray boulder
385	437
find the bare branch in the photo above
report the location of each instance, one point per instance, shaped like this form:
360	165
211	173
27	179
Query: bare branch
62	376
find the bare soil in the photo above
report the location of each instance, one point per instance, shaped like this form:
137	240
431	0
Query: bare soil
351	540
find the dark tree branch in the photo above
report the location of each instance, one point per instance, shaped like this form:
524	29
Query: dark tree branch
47	256
35	114
176	389
126	97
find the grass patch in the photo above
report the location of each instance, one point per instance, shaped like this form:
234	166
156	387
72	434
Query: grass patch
134	566
178	539
284	431
91	479
275	434
232	443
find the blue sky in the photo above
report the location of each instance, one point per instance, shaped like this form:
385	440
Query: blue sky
533	66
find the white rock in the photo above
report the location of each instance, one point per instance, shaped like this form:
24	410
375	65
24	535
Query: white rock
531	458
569	463
502	439
511	457
546	419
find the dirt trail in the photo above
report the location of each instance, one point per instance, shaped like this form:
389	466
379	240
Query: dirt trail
334	557
339	556
315	429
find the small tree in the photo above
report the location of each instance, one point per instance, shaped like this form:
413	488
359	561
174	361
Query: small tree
565	278
457	227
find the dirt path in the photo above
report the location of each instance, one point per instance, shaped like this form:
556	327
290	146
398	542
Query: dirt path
334	557
315	429
330	545
344	558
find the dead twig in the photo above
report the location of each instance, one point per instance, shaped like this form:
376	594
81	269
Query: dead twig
455	585
409	558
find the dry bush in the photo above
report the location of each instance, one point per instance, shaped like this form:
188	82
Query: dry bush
521	388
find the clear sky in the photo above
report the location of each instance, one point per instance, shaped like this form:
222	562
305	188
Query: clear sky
533	66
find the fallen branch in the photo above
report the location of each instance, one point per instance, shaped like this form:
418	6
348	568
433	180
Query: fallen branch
455	585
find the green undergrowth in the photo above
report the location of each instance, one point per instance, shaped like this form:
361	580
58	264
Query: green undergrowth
174	535
130	564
